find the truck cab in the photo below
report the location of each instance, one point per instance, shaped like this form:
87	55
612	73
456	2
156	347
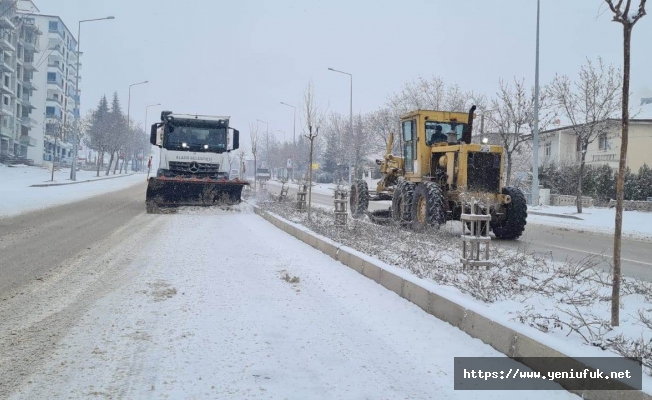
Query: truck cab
193	146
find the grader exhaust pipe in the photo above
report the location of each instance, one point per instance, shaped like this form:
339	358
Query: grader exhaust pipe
466	136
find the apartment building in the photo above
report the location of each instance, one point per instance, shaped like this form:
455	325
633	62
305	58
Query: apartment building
19	45
55	103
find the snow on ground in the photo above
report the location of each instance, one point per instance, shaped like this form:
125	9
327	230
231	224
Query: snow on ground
18	197
227	306
563	305
636	224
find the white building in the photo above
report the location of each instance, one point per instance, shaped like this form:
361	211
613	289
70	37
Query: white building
560	145
54	103
19	48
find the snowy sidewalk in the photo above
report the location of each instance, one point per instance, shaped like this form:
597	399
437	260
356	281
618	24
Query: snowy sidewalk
18	196
636	224
228	306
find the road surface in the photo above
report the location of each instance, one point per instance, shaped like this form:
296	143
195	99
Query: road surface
559	243
203	305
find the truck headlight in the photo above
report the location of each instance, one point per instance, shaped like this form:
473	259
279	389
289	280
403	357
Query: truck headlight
485	140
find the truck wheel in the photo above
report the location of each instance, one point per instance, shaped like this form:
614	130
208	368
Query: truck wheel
429	206
359	200
511	227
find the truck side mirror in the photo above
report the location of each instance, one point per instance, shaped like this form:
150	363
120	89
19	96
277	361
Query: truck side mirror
152	134
236	139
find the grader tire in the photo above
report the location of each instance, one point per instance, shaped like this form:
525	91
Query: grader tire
359	200
402	202
429	209
512	227
396	202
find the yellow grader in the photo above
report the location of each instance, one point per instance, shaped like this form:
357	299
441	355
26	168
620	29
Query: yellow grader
438	176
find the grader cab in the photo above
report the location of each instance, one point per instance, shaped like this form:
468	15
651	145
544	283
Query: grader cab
439	173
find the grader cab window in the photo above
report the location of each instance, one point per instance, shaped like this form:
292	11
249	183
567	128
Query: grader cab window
408	145
437	132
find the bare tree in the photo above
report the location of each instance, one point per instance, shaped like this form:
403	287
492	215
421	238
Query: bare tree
241	169
628	21
512	119
312	120
588	104
430	94
253	136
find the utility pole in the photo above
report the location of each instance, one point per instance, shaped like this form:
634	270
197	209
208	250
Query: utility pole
535	131
73	169
294	136
350	120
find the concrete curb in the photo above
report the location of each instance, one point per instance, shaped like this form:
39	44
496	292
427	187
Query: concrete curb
75	183
554	215
504	339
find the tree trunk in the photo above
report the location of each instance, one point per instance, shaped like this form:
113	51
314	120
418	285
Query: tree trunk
508	175
578	201
255	173
620	182
108	169
99	163
117	161
310	177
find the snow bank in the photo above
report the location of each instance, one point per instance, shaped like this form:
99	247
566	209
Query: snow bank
636	224
18	197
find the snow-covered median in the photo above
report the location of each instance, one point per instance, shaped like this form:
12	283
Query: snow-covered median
636	224
226	306
564	305
18	196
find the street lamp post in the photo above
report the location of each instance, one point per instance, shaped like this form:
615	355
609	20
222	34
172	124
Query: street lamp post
128	121
535	131
267	140
145	127
350	116
73	169
294	135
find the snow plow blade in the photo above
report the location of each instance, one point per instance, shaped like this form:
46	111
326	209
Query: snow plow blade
171	193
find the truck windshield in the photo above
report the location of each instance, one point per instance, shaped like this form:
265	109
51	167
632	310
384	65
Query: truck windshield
192	138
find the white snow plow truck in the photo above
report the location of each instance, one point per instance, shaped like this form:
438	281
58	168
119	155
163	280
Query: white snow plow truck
193	166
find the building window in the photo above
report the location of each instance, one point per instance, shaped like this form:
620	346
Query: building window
603	142
52	76
7	82
54	26
49	111
548	149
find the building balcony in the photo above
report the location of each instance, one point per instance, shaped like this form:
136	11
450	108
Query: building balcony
603	157
29	66
27	103
29	46
59	67
53	100
7	90
55	39
29	85
8	13
56	85
6	132
7	110
6	67
6	44
27	122
27	140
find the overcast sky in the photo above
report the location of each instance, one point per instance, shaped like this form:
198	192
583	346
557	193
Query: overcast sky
241	58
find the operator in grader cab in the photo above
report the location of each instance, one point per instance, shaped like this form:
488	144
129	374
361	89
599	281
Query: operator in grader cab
437	137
